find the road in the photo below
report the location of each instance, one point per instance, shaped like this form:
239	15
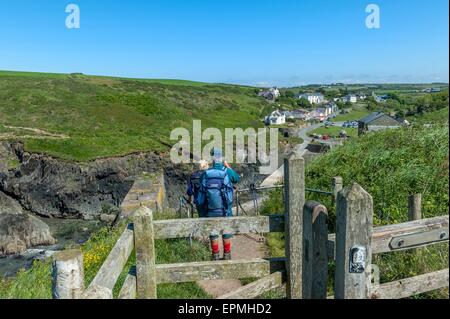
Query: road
277	175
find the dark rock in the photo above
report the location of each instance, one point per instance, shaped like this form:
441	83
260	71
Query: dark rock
108	218
55	188
18	230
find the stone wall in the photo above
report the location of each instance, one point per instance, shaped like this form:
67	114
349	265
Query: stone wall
148	190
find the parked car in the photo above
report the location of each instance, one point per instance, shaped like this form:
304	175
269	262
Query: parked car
353	124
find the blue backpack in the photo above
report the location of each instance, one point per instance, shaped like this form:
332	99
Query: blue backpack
216	193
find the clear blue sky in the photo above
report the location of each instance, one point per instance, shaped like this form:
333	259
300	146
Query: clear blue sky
256	42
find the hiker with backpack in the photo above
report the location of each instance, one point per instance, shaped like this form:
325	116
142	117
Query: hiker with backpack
194	187
216	197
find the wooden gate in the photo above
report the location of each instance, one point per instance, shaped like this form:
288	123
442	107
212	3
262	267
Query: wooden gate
304	269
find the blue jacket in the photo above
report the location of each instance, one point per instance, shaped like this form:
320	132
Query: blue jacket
234	177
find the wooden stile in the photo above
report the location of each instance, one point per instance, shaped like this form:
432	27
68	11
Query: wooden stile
144	242
315	259
67	274
354	226
294	174
308	250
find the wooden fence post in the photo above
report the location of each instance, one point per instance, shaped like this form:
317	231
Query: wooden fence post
354	228
315	259
294	175
67	274
337	184
414	211
144	242
415	207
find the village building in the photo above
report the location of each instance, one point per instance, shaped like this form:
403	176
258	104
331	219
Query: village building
351	98
275	118
361	96
432	90
299	114
380	98
322	113
271	94
377	121
313	98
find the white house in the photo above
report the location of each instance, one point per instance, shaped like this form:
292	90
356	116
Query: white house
361	96
331	108
272	94
352	98
313	98
276	118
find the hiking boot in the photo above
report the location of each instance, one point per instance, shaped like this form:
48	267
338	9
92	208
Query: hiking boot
227	256
215	257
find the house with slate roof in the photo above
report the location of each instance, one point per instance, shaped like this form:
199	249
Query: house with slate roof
377	121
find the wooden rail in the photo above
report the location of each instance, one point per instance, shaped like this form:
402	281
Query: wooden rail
418	233
184	228
411	286
256	288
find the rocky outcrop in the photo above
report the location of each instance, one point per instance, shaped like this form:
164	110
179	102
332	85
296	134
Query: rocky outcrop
18	230
55	188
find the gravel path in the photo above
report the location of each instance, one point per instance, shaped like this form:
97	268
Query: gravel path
244	247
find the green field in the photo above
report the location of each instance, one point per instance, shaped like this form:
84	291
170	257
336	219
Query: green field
105	116
354	115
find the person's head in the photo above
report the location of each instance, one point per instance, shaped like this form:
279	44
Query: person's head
203	165
216	154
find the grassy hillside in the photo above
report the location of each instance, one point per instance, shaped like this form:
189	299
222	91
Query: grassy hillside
439	116
80	117
390	165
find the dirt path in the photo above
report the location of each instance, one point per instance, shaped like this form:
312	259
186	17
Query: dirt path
40	134
244	247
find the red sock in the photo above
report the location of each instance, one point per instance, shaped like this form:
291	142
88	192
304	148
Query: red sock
227	246
215	245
